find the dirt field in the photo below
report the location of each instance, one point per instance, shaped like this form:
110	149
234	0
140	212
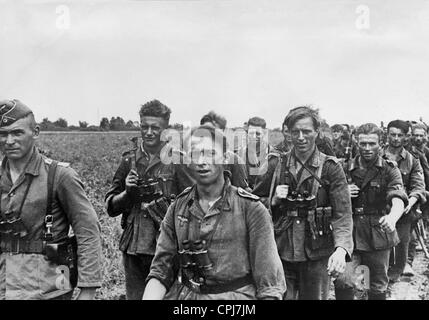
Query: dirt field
95	156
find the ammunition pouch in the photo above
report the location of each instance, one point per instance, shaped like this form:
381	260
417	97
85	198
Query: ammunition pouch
157	209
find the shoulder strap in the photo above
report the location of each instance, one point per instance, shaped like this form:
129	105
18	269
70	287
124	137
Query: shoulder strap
318	181
51	176
274	180
48	223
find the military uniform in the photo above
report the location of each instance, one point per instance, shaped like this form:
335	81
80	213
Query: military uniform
240	244
25	272
413	181
138	239
378	185
307	234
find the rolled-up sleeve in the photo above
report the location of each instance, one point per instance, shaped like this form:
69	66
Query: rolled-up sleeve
267	269
86	227
417	183
162	267
395	187
339	198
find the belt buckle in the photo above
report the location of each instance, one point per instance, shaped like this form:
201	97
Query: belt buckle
195	286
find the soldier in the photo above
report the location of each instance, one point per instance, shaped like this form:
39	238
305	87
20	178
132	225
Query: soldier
235	164
41	200
378	199
323	143
222	235
257	148
344	145
419	138
142	188
414	185
311	210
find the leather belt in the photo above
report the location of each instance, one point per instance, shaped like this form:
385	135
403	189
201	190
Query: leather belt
218	288
22	246
368	212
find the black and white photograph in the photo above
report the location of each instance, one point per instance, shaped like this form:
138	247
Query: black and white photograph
214	150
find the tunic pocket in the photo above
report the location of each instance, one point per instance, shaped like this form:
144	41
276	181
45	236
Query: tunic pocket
381	239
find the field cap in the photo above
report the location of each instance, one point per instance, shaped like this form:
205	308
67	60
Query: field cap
11	111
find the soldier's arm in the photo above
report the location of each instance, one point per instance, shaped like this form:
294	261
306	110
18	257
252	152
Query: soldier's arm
84	221
267	270
161	275
117	200
395	193
417	182
339	198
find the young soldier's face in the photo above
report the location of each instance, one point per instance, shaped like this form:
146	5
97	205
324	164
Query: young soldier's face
337	134
303	135
18	139
151	129
368	146
419	137
396	137
207	160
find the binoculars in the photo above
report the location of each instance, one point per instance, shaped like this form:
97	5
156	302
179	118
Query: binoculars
148	189
13	226
194	255
296	200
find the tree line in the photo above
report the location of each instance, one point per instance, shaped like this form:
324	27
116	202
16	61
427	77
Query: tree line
114	124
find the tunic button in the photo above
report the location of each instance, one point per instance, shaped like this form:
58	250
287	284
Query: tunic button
11	194
298	222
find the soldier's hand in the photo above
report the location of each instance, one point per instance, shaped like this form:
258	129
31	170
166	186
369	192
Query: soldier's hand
131	182
280	193
411	202
387	223
354	190
337	262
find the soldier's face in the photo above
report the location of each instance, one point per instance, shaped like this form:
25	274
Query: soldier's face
337	135
207	160
396	137
151	129
419	137
18	139
369	146
303	135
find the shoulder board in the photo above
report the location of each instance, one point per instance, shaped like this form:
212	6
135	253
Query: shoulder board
127	153
62	164
333	159
184	192
243	193
391	163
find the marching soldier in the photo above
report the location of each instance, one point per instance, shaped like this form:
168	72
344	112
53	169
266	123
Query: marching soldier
142	188
221	234
40	200
378	198
311	209
413	180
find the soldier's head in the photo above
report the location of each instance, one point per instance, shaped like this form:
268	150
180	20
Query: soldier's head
18	130
154	118
208	147
419	134
397	131
303	124
213	119
368	137
256	127
337	131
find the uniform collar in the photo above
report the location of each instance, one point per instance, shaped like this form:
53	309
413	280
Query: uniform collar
356	162
402	154
314	160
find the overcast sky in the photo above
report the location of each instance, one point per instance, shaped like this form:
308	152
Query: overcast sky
239	58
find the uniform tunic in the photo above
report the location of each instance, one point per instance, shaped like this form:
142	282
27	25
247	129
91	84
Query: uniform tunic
32	276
